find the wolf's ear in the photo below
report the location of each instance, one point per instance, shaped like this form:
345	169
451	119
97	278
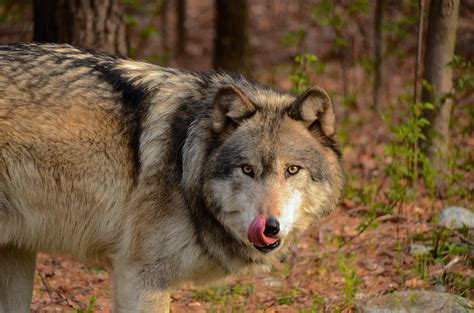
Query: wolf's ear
314	105
231	106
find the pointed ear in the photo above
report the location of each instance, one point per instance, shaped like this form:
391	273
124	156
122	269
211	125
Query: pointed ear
314	104
231	106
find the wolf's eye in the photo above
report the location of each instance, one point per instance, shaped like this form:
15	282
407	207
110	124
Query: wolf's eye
292	170
247	170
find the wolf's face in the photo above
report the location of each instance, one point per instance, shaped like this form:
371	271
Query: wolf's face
275	169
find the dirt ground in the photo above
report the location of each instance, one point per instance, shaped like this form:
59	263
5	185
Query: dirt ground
333	265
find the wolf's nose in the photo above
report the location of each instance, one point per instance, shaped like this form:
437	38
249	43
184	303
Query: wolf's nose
272	227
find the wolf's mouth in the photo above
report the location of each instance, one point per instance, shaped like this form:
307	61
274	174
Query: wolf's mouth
268	248
258	235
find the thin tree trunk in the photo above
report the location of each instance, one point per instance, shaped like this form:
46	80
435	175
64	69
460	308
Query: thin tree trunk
379	51
180	27
231	43
419	48
164	29
440	42
93	24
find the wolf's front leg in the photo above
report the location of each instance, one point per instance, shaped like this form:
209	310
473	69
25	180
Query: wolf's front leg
131	293
17	270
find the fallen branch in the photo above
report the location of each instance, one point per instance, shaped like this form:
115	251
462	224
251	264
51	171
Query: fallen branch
48	289
463	238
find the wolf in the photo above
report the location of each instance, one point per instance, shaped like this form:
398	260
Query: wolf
161	175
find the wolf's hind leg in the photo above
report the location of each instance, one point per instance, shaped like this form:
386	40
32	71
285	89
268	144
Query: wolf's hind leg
17	269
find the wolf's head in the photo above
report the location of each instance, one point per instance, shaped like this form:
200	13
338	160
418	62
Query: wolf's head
273	166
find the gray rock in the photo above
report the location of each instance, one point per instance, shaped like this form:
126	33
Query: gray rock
416	301
419	249
271	282
456	217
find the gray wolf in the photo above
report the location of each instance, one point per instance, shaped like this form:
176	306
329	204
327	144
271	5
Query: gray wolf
161	175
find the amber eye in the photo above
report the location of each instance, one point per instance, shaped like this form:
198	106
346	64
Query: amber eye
247	170
293	169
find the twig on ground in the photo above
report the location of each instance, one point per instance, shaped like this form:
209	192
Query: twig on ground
45	284
393	217
57	301
463	238
60	295
365	227
354	211
446	267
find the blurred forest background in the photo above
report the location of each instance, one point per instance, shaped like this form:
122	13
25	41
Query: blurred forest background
401	76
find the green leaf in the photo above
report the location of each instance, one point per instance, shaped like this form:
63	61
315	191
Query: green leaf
423	122
428	106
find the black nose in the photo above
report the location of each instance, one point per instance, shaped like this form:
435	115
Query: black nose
272	227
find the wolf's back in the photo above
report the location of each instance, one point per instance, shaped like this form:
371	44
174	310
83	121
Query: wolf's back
51	73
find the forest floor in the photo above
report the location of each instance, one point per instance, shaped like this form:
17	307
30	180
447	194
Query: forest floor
316	276
334	265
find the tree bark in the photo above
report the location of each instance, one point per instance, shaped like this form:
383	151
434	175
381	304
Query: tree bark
379	52
164	28
92	24
231	42
440	42
180	27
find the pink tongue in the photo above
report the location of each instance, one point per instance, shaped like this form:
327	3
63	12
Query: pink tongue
256	235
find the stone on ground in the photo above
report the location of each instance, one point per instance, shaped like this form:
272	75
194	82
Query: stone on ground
456	217
416	301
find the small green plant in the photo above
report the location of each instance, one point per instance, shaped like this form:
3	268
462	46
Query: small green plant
460	160
222	295
444	248
90	306
459	283
318	303
399	261
408	164
304	64
463	78
141	29
422	261
399	27
288	297
354	192
327	13
351	280
406	154
459	163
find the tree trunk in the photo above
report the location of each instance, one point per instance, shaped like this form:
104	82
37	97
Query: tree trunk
180	27
231	43
92	24
440	41
379	51
164	29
